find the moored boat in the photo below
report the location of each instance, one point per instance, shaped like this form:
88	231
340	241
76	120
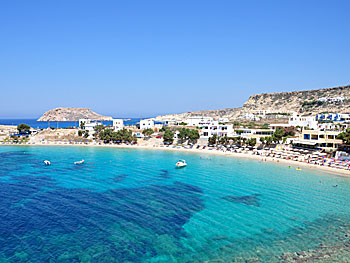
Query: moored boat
79	162
181	163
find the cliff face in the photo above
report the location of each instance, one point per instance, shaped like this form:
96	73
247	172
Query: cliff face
305	102
301	101
72	114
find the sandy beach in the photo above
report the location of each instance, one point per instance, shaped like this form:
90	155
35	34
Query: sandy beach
249	155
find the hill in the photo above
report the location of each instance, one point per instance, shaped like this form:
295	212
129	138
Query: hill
72	114
305	102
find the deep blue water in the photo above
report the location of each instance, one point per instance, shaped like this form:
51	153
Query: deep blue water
134	206
56	124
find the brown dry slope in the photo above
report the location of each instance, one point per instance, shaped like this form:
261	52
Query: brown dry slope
72	114
305	102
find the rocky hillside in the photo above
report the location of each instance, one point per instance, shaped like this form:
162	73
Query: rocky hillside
305	102
72	114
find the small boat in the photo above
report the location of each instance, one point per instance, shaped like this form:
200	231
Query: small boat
46	162
298	169
181	163
79	162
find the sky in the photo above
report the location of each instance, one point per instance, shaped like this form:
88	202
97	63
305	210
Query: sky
145	58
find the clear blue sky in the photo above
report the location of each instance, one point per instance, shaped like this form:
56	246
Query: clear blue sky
143	58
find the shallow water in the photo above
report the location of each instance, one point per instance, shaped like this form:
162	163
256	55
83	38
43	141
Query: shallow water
134	206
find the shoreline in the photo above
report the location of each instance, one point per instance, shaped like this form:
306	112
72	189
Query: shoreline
294	164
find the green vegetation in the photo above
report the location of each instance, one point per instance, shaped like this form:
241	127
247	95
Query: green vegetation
82	125
147	132
164	128
251	142
239	132
23	127
83	133
183	123
312	103
278	135
345	136
264	126
168	136
236	124
190	135
224	140
212	140
108	135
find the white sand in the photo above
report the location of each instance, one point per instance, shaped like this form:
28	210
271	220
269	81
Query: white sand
294	164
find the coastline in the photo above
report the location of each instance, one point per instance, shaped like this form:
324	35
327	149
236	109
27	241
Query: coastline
294	164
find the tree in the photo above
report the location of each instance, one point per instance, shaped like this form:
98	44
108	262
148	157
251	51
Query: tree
278	134
86	134
23	127
224	140
251	141
147	132
345	136
212	140
193	136
80	133
265	126
168	136
236	124
163	129
183	133
82	125
183	123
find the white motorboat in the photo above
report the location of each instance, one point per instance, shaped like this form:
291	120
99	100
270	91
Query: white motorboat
181	163
79	162
46	162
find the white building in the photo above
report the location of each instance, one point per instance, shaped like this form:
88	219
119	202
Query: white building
303	121
215	128
333	117
223	120
251	117
330	99
147	124
253	133
88	125
198	121
118	124
341	126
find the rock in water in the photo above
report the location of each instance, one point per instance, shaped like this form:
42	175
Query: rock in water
72	114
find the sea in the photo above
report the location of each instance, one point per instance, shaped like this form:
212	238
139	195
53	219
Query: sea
58	124
133	205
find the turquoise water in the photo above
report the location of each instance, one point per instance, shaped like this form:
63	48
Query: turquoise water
133	206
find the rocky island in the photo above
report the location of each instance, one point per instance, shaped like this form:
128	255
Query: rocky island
72	114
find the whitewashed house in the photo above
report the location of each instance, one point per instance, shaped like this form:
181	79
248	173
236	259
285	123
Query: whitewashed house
215	128
303	121
88	125
147	124
118	124
198	121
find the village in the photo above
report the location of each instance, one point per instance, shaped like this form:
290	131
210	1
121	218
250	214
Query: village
321	139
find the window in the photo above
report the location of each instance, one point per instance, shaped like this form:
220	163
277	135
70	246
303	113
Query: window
306	136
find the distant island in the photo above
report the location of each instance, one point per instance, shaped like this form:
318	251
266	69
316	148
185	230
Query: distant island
72	114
